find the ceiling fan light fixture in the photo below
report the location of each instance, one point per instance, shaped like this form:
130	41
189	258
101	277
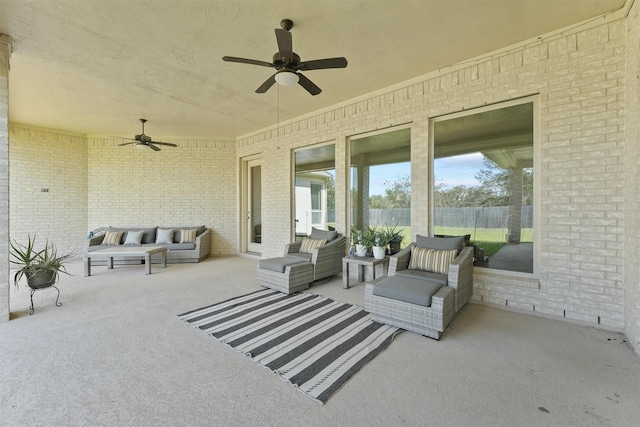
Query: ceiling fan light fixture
287	78
142	146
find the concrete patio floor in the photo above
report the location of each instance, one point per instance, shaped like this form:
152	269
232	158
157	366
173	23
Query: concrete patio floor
115	354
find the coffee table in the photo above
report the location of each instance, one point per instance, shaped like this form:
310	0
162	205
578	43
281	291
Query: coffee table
123	251
362	262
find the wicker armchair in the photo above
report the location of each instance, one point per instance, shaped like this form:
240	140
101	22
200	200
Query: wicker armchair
326	260
435	298
460	276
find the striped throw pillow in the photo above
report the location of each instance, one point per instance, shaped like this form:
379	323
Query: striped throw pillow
112	237
188	235
431	260
308	245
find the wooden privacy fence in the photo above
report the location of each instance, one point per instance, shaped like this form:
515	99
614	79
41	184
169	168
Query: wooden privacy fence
471	217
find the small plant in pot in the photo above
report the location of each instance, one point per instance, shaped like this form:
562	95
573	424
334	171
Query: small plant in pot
41	267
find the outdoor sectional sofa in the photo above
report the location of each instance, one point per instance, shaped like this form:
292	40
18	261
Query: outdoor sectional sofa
178	250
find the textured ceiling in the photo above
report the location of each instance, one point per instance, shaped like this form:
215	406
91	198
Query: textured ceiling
96	66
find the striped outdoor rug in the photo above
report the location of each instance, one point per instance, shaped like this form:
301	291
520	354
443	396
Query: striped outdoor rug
312	342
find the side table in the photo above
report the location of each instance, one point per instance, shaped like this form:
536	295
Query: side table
362	262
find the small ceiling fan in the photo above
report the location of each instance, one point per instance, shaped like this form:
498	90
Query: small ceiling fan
288	65
143	141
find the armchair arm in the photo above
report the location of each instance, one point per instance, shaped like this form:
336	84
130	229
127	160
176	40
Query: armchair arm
327	259
400	261
460	276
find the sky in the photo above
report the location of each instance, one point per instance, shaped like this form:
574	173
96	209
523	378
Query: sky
450	171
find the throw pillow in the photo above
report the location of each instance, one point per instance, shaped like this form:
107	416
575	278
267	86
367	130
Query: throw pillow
308	244
134	237
112	237
431	260
187	235
165	236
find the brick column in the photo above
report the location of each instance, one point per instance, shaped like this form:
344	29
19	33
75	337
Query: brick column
515	205
5	53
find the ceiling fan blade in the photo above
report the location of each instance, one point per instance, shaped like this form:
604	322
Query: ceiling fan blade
128	143
267	84
153	147
321	64
248	61
308	85
285	43
168	144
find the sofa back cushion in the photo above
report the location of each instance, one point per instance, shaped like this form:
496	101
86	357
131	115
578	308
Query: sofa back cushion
148	236
441	243
177	235
436	261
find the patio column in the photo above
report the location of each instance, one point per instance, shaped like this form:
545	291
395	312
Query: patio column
515	205
5	53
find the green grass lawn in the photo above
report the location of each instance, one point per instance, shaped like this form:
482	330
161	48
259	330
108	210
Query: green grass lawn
489	239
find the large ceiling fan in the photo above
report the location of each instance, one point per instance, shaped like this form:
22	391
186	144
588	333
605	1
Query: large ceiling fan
145	141
288	65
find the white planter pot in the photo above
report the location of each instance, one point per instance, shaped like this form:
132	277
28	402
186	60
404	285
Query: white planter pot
361	250
378	252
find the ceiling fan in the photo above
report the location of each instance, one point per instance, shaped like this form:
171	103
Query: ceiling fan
288	65
144	141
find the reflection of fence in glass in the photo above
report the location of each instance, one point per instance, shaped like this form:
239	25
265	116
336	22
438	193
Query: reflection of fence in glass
467	217
480	217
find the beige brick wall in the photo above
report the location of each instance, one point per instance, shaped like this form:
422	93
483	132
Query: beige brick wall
193	184
632	182
56	162
578	79
5	52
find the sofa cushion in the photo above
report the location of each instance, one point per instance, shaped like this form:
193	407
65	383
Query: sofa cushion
300	255
134	237
149	235
165	235
440	243
187	235
441	279
177	235
431	259
279	264
112	237
309	244
413	291
316	233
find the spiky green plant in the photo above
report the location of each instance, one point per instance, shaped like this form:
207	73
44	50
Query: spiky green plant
32	261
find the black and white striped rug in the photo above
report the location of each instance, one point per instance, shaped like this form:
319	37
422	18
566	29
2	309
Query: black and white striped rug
314	343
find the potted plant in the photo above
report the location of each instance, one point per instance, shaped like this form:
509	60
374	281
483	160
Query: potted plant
357	239
395	238
380	243
40	267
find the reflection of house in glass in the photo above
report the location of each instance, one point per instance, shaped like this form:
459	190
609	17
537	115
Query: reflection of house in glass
311	201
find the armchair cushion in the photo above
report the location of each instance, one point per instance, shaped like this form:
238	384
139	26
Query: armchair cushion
440	279
300	255
323	234
413	291
309	244
440	243
279	264
436	261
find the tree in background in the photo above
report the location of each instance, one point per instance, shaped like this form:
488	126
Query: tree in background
492	191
